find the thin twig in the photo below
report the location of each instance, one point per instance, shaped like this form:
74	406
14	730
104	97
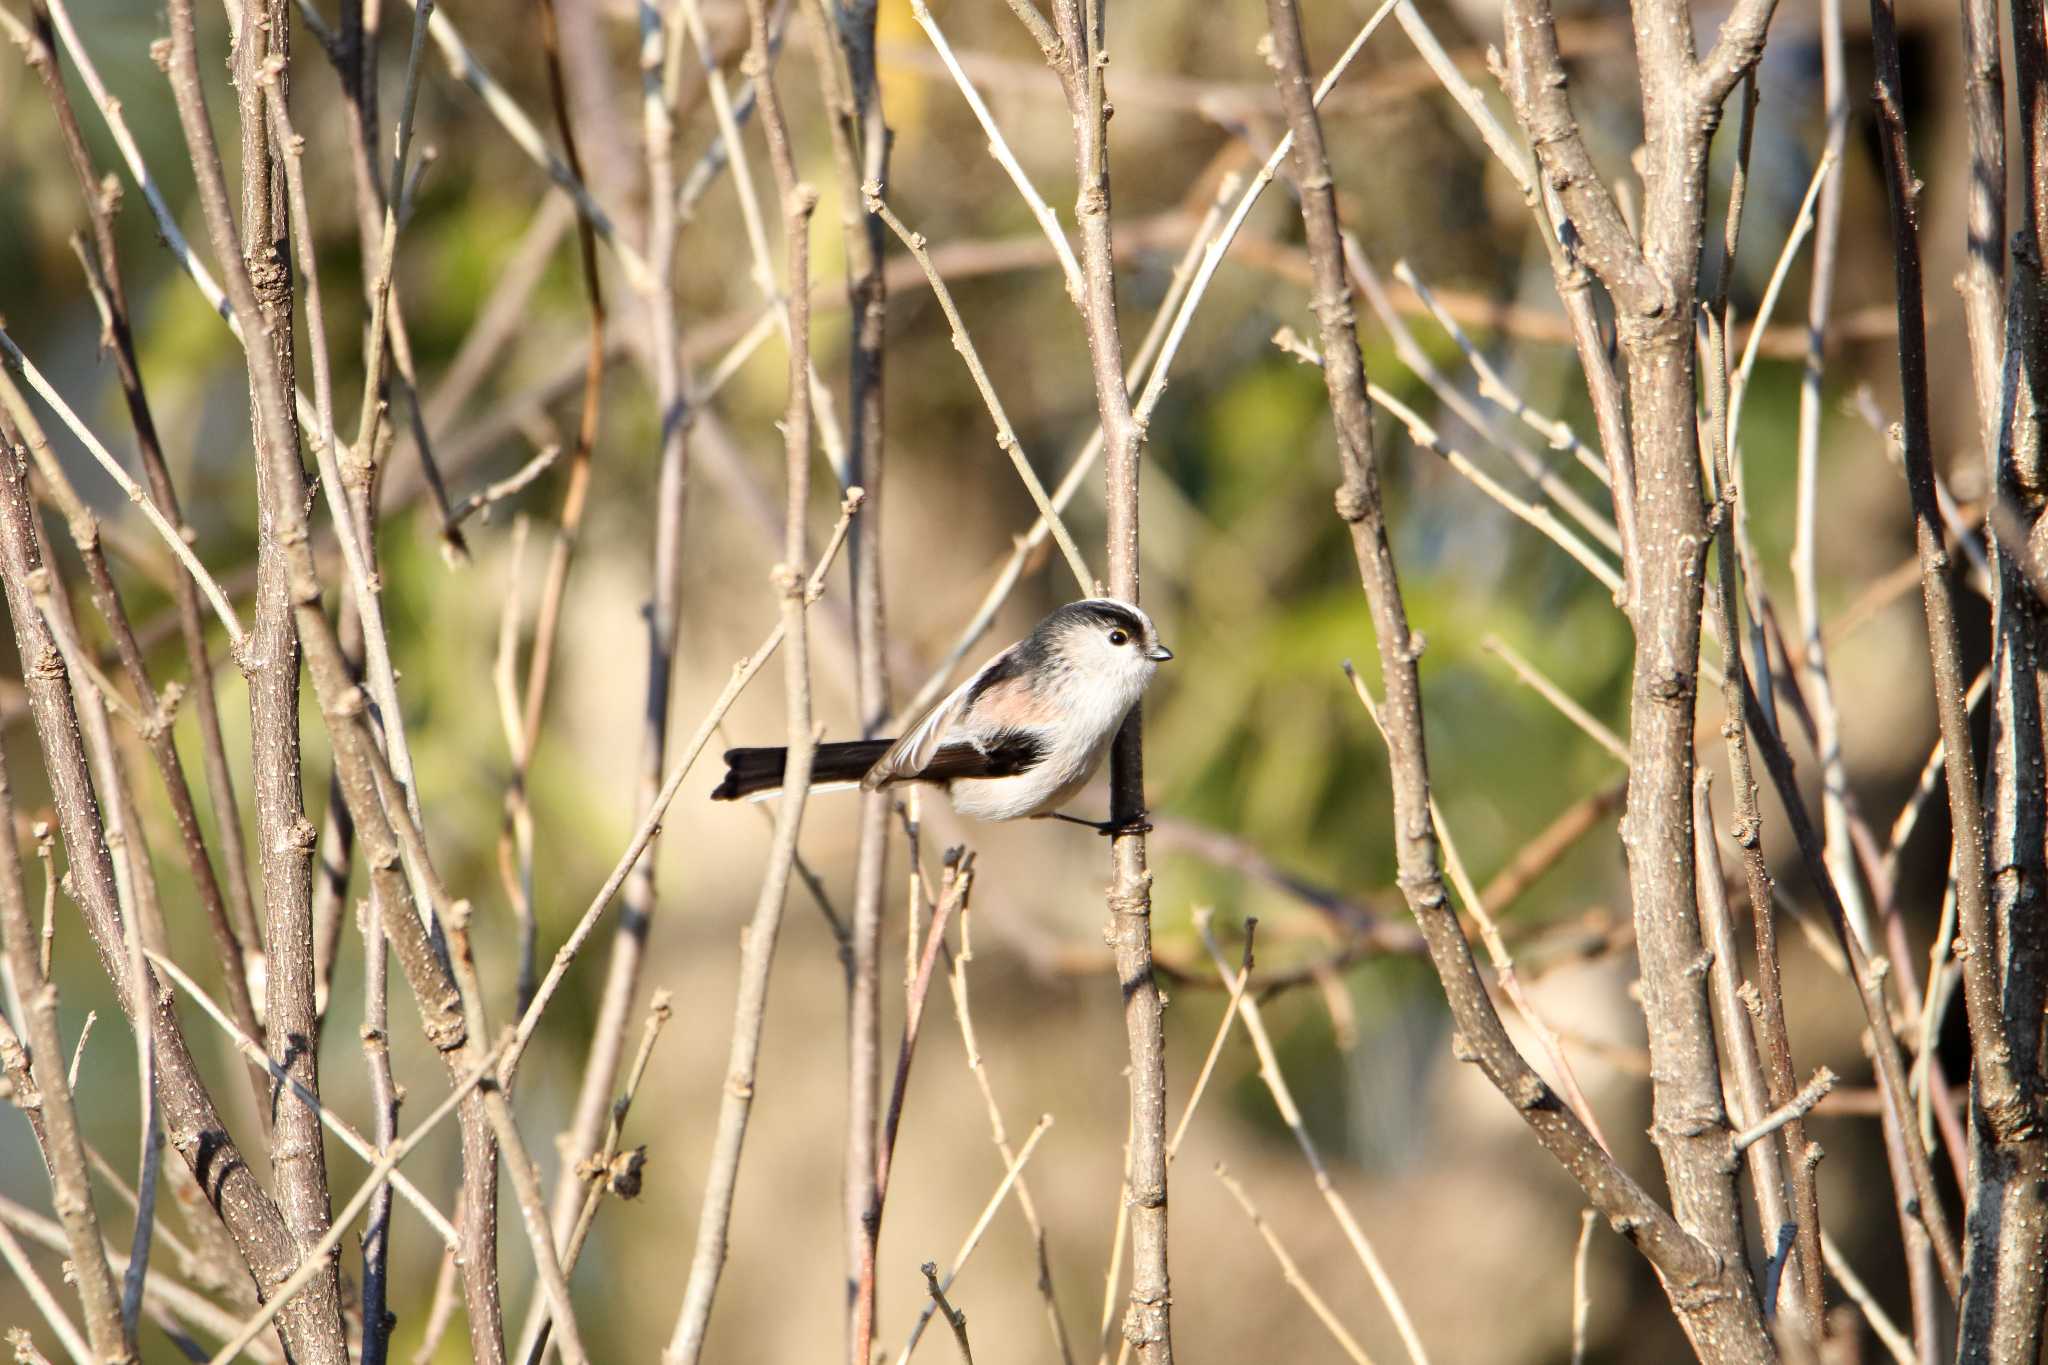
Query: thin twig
957	980
339	1126
1292	1272
1800	1104
1013	1174
46	1303
150	511
317	1257
955	1319
1238	986
608	1170
1582	1299
1070	269
1496	946
1895	1341
500	489
1738	386
958	886
1283	1100
1006	436
104	280
1596	730
743	673
44	1092
799	201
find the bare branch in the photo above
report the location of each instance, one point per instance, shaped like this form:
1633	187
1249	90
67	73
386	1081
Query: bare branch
1006	435
1292	1272
1730	1315
955	1319
1538	87
386	1164
1800	1104
1013	1175
1283	1100
758	949
1735	52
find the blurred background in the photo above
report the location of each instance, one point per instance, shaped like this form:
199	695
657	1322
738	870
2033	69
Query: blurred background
1266	776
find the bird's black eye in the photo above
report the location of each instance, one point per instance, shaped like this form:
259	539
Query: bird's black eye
1117	637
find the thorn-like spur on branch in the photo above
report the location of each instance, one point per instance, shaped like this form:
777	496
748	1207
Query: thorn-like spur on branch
1798	1106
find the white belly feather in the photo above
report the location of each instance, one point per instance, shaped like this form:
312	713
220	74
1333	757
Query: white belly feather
1093	716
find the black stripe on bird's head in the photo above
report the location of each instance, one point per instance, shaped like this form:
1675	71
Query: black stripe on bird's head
1120	623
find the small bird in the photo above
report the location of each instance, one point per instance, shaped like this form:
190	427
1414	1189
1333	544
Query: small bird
1017	740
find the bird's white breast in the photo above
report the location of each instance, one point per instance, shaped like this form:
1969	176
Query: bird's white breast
1090	714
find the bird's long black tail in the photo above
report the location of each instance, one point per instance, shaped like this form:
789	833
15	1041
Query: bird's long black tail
750	771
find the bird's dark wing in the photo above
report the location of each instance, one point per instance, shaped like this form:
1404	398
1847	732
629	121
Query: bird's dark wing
908	757
1006	753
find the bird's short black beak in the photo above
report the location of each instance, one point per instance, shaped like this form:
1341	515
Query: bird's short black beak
1159	652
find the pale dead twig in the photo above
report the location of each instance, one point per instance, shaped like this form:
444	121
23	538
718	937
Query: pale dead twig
1738	387
1496	946
1013	1174
315	1260
1596	730
1070	269
150	511
1582	1300
799	201
743	674
1291	1272
1283	1100
1495	389
339	1126
1203	916
1896	1342
39	1294
957	980
1006	435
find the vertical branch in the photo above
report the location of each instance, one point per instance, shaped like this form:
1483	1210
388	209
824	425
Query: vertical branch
377	810
1751	1089
660	61
376	1038
757	951
49	1106
956	883
342	704
1771	1169
284	836
860	147
548	627
311	1323
1655	284
154	710
2018	835
1080	62
1818	685
104	274
2007	1227
1709	1290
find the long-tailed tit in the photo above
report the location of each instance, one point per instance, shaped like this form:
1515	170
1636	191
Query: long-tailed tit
1017	739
